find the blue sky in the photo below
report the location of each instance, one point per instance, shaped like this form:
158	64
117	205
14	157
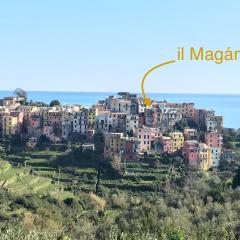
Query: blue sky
109	45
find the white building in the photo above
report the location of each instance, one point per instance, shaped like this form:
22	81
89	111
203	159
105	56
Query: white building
79	121
141	106
170	118
120	105
132	122
102	120
216	156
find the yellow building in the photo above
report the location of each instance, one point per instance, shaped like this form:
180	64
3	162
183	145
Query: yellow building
9	125
178	140
205	159
91	118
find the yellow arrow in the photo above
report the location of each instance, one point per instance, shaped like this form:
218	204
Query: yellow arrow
147	100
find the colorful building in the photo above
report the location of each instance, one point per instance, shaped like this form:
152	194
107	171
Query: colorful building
197	154
215	141
178	140
91	118
167	144
10	125
144	137
191	152
205	158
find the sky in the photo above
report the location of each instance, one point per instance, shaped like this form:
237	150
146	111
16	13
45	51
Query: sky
107	46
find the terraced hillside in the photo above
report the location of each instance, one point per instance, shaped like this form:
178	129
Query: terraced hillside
19	180
137	176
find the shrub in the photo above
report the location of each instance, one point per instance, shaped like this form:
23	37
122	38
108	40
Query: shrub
98	200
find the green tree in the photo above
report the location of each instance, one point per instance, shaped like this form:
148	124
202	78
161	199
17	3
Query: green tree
175	234
98	139
21	93
236	179
54	103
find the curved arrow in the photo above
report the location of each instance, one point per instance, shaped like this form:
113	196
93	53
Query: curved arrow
147	100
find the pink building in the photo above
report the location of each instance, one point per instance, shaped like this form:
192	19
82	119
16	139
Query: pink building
144	137
154	133
191	152
167	144
214	139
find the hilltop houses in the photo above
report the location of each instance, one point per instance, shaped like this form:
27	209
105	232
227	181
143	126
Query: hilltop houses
197	154
215	141
129	127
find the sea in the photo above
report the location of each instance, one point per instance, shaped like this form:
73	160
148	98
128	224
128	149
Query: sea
226	105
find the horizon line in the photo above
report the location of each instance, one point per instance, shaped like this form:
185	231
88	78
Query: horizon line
116	92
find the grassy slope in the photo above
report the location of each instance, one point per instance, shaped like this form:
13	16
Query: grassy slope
18	180
137	176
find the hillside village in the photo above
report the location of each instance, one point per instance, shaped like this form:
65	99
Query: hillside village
131	130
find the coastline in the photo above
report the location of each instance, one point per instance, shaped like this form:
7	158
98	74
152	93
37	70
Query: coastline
224	104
